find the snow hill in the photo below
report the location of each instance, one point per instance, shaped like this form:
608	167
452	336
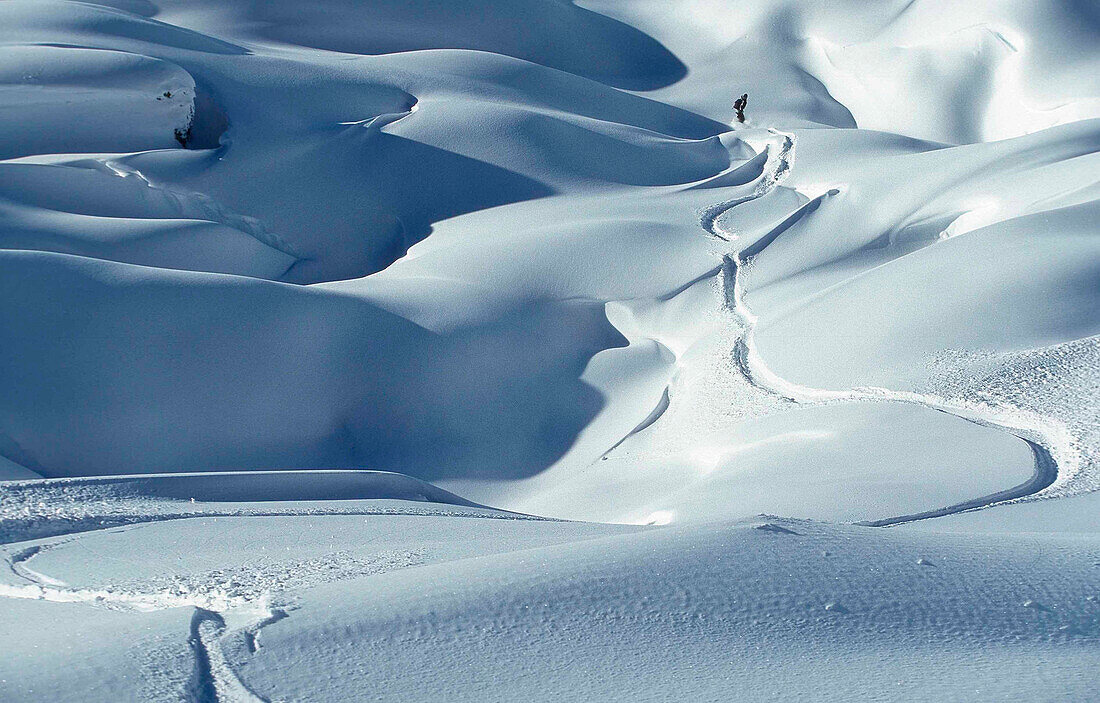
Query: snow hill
474	350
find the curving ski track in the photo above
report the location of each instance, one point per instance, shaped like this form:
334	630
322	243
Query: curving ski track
214	679
749	363
216	682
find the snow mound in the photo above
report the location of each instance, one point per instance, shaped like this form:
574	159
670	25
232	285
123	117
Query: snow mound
85	100
583	42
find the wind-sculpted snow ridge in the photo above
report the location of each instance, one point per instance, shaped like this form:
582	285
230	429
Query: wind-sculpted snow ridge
250	486
89	199
45	508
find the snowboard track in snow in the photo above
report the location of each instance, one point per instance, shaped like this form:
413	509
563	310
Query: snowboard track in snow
215	681
243	596
751	366
213	596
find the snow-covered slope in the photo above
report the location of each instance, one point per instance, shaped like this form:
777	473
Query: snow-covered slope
295	294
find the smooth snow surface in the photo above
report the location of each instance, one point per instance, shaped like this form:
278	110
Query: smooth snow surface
474	350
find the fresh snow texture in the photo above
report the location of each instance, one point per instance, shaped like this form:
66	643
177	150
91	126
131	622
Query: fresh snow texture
475	350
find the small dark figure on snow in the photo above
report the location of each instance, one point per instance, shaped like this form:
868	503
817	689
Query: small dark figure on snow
739	105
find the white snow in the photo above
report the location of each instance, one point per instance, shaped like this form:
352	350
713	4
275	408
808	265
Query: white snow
473	350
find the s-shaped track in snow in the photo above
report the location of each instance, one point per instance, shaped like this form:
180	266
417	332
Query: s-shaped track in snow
748	362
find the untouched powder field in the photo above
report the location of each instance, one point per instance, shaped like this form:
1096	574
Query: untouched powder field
482	350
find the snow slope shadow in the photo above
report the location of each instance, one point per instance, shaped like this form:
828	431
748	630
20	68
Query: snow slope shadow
151	209
343	201
92	24
174	371
126	102
548	32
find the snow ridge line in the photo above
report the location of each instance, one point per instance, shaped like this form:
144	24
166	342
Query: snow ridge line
195	205
1040	434
28	527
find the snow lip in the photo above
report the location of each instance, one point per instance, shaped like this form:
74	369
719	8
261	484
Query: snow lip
260	486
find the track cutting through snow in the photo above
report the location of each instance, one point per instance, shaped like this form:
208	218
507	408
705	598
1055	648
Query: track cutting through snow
1040	434
216	681
239	604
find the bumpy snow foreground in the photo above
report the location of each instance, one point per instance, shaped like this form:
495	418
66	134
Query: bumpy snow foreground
471	350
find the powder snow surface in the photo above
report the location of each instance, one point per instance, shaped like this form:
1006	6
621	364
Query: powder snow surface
475	350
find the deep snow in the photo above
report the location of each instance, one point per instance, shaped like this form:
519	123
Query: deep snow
319	322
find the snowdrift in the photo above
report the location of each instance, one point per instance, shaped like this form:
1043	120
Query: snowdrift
290	292
258	486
